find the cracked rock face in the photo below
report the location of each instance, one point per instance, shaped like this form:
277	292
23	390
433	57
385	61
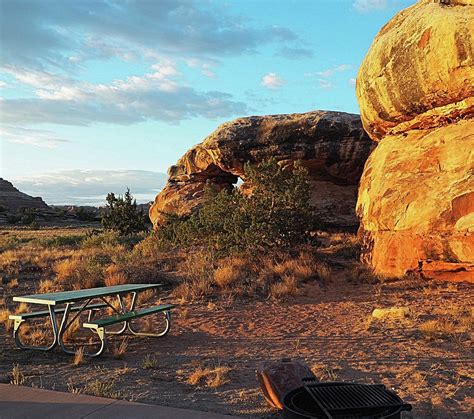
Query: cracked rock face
331	145
416	93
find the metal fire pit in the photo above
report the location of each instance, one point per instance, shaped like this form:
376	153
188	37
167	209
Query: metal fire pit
342	401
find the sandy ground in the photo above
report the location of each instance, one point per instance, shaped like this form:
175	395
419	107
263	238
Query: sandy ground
326	327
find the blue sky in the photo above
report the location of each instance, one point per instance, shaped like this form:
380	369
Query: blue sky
112	87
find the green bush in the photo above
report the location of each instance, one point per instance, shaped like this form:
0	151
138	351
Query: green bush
83	214
122	215
27	215
277	213
59	241
110	238
13	218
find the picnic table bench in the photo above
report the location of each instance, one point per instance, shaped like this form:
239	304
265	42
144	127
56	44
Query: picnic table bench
67	302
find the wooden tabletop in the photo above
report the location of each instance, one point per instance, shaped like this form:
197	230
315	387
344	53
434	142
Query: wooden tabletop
54	298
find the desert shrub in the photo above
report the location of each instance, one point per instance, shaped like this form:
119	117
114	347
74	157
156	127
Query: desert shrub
110	238
277	214
96	238
347	245
122	215
278	274
288	286
9	242
59	241
27	215
363	274
34	225
83	214
114	276
231	271
83	269
13	218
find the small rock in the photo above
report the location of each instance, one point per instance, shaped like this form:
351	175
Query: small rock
391	313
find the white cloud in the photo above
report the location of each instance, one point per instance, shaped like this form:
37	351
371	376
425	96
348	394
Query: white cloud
205	66
156	95
325	84
352	82
272	81
90	187
65	33
333	70
2	84
34	137
368	5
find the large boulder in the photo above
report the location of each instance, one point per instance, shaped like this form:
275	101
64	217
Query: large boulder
416	93
14	200
418	71
332	145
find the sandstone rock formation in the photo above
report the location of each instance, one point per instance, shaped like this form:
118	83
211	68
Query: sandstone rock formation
332	145
13	200
416	93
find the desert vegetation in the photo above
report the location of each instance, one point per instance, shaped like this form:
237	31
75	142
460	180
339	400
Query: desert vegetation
297	291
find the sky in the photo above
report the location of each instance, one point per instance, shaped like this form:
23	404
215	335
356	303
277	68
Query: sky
101	94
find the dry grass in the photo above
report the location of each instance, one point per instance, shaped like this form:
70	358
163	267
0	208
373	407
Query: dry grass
149	362
434	329
78	357
12	284
114	276
212	377
363	274
38	335
17	376
47	285
71	388
4	314
100	388
22	308
193	290
145	297
286	288
277	275
72	330
119	351
230	271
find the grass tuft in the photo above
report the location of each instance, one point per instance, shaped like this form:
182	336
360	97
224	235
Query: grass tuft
209	376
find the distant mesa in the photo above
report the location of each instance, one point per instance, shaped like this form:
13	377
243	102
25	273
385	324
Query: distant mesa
415	90
331	145
13	200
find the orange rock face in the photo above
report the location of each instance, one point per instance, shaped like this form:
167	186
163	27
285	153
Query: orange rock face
416	93
420	62
332	145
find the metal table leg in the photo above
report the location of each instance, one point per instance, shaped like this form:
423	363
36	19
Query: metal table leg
54	326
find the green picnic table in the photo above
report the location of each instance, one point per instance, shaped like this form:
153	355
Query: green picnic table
79	301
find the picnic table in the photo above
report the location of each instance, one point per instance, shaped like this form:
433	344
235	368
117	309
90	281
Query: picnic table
67	302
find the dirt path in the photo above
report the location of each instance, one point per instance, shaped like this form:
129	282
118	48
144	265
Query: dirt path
327	328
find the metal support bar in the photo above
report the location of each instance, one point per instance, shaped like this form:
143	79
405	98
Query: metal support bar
65	325
167	328
54	327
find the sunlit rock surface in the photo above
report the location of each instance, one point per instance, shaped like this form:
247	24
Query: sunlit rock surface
416	93
332	145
